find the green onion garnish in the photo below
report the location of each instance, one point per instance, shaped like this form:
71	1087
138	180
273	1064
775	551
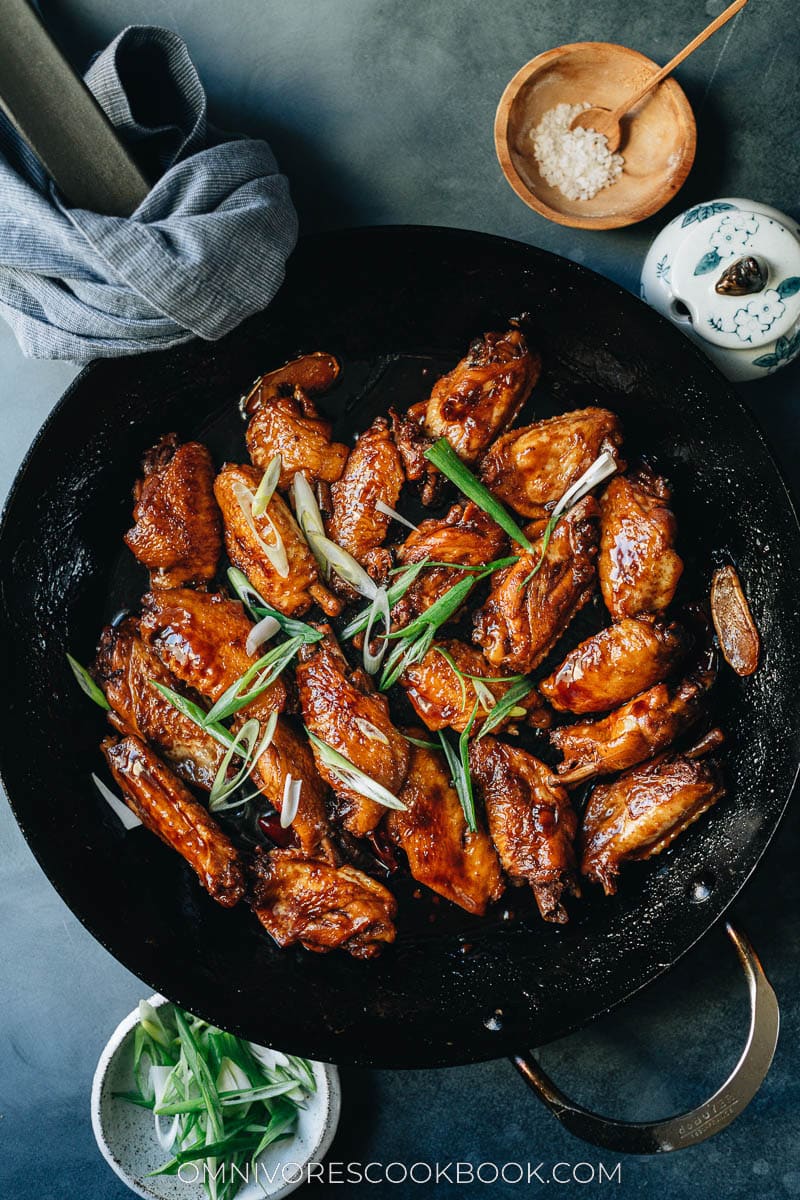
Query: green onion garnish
265	490
506	705
195	713
458	762
443	456
86	683
262	675
353	777
405	578
244	745
258	608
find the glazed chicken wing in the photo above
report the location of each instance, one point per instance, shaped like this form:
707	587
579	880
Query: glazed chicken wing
526	613
178	532
645	726
643	811
531	822
465	535
374	472
289	580
285	421
341	710
167	808
638	568
125	667
442	853
201	639
300	899
614	665
531	468
445	695
483	393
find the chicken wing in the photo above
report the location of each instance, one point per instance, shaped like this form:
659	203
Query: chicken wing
201	639
125	667
300	899
643	811
167	808
177	533
285	421
531	821
483	393
442	853
374	472
465	535
526	613
645	726
532	467
340	709
445	695
638	567
614	665
289	581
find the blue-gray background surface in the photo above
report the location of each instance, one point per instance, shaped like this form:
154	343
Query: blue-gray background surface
382	112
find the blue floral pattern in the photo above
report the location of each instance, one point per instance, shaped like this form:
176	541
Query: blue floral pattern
786	348
731	237
664	269
701	212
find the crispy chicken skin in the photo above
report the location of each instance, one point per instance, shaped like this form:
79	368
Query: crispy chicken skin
532	467
643	811
482	395
444	699
524	617
638	567
531	821
201	639
442	853
614	665
124	668
300	899
339	707
167	808
292	593
374	472
464	535
310	375
177	533
645	726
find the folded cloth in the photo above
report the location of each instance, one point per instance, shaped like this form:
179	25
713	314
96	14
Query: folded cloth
206	248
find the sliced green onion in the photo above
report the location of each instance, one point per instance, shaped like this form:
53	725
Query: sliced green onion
126	815
86	683
258	608
352	777
451	662
406	654
603	466
507	705
486	696
291	800
443	456
222	787
274	552
370	731
306	508
346	567
423	745
195	713
458	762
388	511
394	593
264	491
264	672
261	632
379	610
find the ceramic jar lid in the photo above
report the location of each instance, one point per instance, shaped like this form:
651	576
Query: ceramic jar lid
738	273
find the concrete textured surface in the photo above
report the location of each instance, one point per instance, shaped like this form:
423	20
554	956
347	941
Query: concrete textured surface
382	113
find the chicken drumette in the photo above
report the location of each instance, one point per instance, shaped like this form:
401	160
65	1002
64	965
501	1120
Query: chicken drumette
531	468
643	811
638	567
531	821
269	549
614	665
300	899
167	808
178	531
532	603
285	421
442	853
374	472
340	708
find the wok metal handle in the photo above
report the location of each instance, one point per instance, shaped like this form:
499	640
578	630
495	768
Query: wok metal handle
688	1128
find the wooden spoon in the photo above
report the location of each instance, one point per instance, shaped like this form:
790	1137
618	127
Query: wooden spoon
607	122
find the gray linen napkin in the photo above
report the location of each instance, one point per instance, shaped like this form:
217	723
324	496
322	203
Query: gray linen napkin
205	249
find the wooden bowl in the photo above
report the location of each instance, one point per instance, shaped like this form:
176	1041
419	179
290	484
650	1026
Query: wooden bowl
658	136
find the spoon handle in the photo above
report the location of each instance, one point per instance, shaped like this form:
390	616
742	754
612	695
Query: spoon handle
652	82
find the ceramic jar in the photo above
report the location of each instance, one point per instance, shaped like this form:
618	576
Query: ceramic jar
727	273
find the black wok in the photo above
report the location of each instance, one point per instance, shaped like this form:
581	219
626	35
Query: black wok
396	305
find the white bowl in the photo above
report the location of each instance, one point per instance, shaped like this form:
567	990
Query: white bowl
127	1141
